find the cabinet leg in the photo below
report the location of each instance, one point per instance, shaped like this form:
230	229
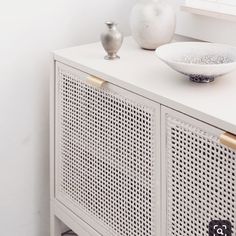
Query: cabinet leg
55	226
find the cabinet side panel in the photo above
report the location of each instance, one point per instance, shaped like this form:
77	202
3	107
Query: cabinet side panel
107	156
52	126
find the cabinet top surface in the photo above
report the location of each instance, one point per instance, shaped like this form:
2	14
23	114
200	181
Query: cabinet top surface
142	72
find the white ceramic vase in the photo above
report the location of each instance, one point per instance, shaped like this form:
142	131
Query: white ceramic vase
152	23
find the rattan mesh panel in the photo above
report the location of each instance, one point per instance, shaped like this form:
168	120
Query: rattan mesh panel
107	157
201	180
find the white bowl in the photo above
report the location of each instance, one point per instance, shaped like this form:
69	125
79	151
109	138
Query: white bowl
201	61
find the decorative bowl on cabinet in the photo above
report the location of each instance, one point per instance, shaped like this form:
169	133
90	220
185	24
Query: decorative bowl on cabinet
201	61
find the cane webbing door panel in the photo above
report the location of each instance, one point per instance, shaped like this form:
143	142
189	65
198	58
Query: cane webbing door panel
199	174
107	155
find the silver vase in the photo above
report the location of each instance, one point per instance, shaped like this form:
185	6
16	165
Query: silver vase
111	40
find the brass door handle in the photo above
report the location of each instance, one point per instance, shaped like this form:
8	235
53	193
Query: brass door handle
95	81
228	140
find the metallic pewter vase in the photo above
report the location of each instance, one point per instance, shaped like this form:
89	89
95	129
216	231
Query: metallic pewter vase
111	41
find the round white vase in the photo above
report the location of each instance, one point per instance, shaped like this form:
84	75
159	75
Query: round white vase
152	23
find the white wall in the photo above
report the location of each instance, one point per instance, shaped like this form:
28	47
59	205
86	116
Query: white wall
29	30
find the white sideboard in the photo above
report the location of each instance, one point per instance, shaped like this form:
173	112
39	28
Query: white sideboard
136	148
